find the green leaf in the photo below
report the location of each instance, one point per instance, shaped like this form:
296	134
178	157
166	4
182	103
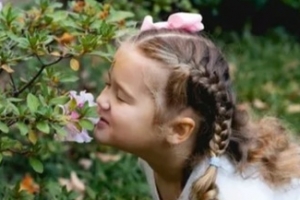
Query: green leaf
7	143
14	108
42	100
91	112
59	130
43	126
36	165
1	157
86	124
14	99
3	127
59	100
22	42
32	102
69	78
23	128
106	56
119	15
72	104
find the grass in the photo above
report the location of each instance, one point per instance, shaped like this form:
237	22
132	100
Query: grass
267	75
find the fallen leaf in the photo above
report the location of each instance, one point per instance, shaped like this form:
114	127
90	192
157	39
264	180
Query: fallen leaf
56	53
293	108
7	68
108	157
29	185
73	184
85	163
259	104
77	184
244	106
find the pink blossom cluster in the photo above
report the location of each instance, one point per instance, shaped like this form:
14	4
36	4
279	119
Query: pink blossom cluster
73	132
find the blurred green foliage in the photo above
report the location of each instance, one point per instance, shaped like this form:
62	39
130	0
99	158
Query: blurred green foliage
266	73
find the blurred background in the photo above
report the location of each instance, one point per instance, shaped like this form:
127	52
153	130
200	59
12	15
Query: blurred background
261	41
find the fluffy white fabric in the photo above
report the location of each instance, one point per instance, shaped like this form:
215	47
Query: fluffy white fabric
233	186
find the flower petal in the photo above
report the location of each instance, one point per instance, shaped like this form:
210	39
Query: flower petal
74	135
74	115
88	97
94	120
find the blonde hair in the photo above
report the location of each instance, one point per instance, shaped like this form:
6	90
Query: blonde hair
199	78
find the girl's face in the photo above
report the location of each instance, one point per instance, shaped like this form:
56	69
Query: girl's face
126	106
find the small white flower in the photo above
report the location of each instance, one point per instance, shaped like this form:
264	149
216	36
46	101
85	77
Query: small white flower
1	6
83	97
73	133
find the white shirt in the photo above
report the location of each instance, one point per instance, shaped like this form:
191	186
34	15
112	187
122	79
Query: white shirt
232	185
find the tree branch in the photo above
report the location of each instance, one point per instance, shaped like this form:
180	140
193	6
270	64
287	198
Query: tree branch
37	75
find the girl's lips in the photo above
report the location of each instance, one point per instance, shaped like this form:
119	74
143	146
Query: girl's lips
102	118
102	123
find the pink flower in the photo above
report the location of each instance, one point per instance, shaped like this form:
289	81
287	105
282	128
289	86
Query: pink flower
75	135
82	98
191	22
73	132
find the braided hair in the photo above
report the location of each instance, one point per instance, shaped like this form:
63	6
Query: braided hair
199	78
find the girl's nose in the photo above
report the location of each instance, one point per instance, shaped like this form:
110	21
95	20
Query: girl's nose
103	101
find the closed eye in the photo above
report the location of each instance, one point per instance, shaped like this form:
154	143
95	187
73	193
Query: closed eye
120	98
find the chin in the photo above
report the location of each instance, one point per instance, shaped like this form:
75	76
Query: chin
102	136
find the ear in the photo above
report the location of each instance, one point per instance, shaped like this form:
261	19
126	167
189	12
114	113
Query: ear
181	130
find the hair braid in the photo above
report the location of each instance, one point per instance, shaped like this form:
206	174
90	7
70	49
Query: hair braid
205	187
205	87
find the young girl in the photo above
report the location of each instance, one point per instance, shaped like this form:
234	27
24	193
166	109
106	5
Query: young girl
169	101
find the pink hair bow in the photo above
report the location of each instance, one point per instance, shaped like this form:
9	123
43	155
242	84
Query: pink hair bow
191	22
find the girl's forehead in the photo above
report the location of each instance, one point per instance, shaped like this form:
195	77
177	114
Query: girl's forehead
136	66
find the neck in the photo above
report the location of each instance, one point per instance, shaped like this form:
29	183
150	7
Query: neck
169	163
168	166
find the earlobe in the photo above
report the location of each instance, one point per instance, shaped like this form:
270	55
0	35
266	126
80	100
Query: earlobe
182	129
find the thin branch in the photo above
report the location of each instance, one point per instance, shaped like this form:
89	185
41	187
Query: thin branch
40	60
24	152
13	83
37	75
11	122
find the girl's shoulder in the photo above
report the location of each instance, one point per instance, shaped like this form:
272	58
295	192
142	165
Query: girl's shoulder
233	185
289	192
249	185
